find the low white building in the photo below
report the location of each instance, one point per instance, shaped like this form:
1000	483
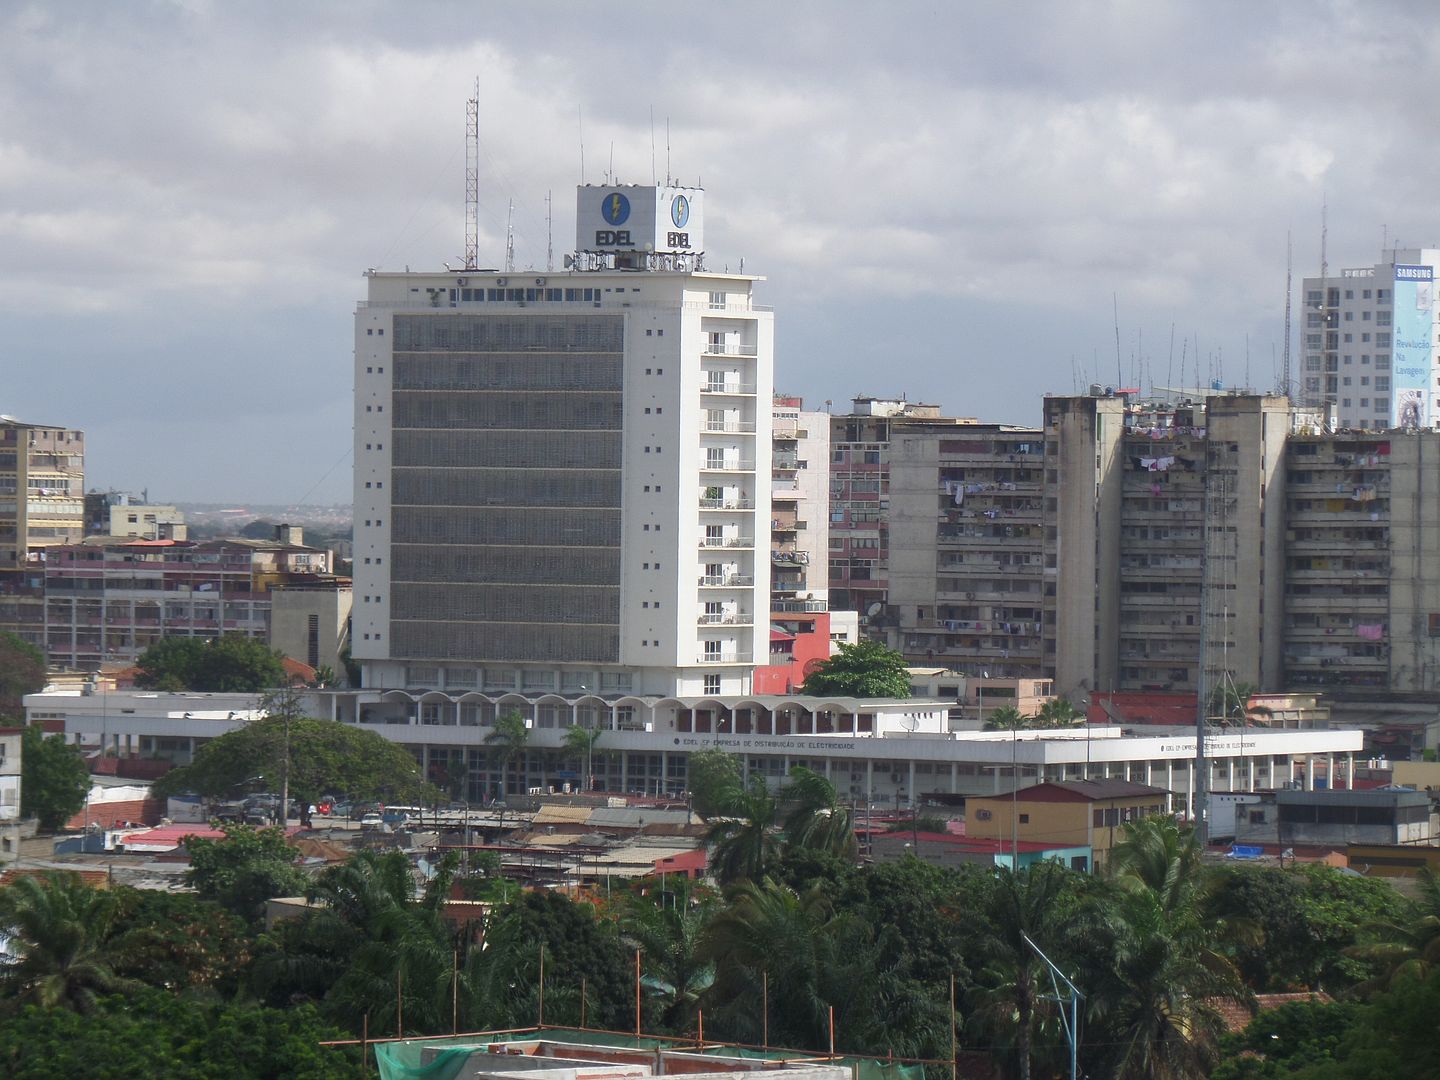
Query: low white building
10	746
876	751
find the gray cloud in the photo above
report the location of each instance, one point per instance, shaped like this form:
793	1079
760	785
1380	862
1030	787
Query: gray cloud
189	192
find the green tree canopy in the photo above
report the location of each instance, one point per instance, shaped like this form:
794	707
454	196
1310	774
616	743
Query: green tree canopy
714	776
326	757
153	1033
57	954
54	779
231	664
22	671
862	669
245	869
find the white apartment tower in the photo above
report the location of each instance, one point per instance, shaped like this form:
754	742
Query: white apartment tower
1370	346
562	479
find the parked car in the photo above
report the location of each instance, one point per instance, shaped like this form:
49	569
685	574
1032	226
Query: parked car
372	821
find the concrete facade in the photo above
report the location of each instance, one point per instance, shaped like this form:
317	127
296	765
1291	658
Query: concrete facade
562	480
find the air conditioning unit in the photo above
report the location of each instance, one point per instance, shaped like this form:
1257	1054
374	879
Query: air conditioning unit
983	815
539	281
501	281
462	281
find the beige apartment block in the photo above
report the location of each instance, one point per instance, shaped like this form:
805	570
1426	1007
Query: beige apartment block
965	582
42	489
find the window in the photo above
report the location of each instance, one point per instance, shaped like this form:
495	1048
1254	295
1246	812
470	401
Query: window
1024	819
712	682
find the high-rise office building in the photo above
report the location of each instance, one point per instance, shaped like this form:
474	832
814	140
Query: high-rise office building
1370	346
562	479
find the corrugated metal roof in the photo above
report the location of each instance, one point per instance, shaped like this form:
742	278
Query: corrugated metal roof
562	815
633	817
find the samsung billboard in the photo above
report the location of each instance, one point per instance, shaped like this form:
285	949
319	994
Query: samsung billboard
1410	402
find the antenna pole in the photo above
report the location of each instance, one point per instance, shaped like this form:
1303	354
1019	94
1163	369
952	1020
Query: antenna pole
472	178
652	144
1285	353
1324	287
549	234
1119	374
580	113
510	238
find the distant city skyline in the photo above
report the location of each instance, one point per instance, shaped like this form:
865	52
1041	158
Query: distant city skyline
950	204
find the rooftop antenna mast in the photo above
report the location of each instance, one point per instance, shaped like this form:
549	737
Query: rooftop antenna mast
472	178
549	235
510	238
1324	283
1285	354
1119	371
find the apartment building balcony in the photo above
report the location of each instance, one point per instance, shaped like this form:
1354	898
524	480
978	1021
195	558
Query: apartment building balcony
732	656
727	581
727	389
727	542
785	434
727	465
786	525
784	491
713	348
790	558
798	606
725	618
727	504
1370	605
1167	601
729	427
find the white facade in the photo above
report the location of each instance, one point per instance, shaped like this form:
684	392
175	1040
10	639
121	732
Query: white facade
10	774
1351	356
874	750
522	434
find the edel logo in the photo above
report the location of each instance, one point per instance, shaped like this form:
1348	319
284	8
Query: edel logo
680	211
615	208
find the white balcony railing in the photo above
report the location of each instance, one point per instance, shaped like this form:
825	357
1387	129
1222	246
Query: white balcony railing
727	465
734	427
731	656
726	618
727	504
735	388
726	581
727	542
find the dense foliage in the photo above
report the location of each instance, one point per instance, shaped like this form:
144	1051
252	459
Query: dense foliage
22	671
1156	944
862	669
230	664
318	757
54	778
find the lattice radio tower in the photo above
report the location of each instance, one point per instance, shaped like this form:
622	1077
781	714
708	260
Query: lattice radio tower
472	178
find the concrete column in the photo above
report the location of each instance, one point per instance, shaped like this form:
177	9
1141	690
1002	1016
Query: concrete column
1190	789
869	782
664	773
625	771
910	784
1310	773
954	778
1169	775
1350	771
1250	768
1330	771
1149	782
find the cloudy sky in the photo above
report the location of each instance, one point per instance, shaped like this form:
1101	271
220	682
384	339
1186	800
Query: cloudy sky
948	199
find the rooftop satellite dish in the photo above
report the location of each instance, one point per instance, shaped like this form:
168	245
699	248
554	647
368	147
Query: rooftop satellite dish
874	609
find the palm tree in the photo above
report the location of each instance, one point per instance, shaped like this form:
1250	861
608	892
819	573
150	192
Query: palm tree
1157	994
668	928
581	741
815	819
510	736
743	841
1411	948
1005	718
1009	998
56	930
1059	713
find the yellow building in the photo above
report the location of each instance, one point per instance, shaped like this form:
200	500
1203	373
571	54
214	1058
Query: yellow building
1068	813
